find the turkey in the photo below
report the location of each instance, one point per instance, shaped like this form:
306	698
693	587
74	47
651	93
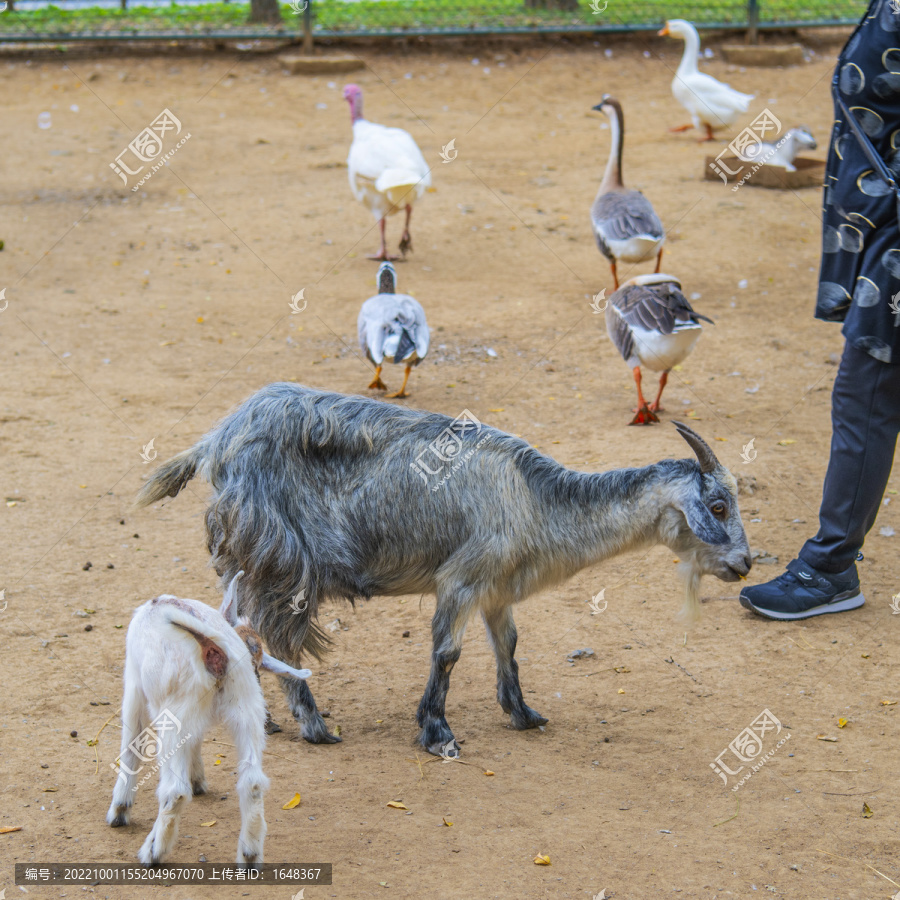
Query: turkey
387	170
392	328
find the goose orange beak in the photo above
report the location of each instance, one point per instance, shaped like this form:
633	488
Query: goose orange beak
663	31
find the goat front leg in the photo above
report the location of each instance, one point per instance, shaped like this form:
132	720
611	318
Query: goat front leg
303	706
447	629
174	792
133	709
502	634
199	785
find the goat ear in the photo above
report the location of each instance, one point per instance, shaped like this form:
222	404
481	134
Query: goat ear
701	521
277	667
705	456
229	606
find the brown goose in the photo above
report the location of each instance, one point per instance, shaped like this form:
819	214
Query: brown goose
653	325
625	224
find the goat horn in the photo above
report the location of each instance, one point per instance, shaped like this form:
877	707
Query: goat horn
705	456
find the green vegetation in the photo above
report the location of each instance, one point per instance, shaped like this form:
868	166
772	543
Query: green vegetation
348	16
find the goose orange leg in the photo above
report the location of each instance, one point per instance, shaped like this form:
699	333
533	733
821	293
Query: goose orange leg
709	134
679	128
377	384
645	416
382	255
406	237
402	391
654	406
615	275
658	259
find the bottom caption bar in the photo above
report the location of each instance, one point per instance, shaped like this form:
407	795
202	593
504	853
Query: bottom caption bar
202	873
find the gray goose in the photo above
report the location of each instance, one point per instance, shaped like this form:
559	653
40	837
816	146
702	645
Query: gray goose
625	224
392	328
653	325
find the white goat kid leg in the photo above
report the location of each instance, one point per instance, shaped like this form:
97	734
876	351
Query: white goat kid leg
133	719
174	791
252	784
198	776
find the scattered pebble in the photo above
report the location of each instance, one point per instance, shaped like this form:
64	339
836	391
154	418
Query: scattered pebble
742	283
580	654
405	634
887	531
73	734
88	627
86	566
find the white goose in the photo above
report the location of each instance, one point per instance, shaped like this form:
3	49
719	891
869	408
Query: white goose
711	103
652	324
386	168
392	328
783	153
624	222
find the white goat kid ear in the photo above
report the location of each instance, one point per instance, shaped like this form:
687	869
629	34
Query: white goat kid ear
277	667
701	521
229	606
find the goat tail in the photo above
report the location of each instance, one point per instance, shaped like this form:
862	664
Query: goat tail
170	477
690	576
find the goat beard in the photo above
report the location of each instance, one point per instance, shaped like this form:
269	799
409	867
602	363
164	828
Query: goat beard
690	574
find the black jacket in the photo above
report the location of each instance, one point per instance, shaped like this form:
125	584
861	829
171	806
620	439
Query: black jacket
860	272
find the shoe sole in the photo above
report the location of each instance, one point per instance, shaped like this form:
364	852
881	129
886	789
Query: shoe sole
841	603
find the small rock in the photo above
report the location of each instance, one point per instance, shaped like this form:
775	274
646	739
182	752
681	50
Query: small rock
887	531
44	766
405	634
580	654
135	535
110	566
202	859
73	734
121	521
325	713
88	627
86	567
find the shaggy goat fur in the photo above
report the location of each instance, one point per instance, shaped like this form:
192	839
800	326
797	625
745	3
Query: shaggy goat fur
343	496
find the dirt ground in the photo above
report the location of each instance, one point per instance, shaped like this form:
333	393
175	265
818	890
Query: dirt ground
150	314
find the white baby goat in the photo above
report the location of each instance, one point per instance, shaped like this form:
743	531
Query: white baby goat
186	666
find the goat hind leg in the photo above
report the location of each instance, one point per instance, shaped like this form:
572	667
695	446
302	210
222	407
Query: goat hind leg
199	785
174	792
303	706
447	629
133	709
502	634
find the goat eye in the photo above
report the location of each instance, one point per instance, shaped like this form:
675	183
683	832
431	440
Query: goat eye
718	508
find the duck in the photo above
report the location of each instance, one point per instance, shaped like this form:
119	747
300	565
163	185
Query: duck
386	169
392	328
711	103
784	152
653	326
624	222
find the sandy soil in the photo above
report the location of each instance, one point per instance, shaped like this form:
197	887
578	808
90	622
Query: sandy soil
146	315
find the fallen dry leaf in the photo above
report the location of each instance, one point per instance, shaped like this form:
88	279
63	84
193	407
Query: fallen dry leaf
396	804
786	442
621	669
7	829
498	409
218	762
293	802
842	723
208	824
448	824
50	790
488	772
825	737
620	691
888	702
867	811
866	655
542	860
337	731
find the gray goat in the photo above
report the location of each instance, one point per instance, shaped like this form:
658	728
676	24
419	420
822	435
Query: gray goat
342	496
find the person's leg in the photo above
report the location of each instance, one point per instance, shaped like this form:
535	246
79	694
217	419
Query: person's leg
865	421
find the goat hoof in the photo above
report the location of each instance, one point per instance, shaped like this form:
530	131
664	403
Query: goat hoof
527	718
438	740
199	788
320	737
272	727
118	816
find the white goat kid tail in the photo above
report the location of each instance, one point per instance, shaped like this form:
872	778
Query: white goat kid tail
690	575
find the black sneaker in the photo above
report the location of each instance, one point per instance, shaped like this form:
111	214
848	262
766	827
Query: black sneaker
803	591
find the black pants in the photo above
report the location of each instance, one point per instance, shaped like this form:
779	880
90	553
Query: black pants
865	417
